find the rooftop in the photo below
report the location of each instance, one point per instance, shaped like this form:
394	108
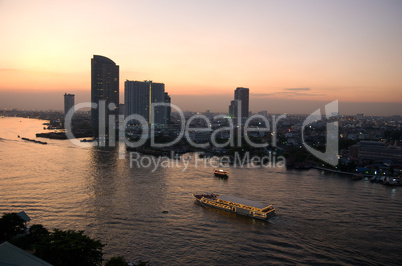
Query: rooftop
12	255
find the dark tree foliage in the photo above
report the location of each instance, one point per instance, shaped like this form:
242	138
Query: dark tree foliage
27	241
11	224
121	261
69	248
346	143
142	263
116	261
37	232
58	247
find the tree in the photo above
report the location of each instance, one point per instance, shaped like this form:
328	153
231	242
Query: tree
11	224
37	232
117	261
69	248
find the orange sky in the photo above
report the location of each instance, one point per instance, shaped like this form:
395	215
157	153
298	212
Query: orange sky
296	50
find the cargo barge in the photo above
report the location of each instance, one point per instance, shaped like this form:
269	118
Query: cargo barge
237	205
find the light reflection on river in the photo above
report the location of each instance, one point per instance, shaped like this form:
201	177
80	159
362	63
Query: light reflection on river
322	218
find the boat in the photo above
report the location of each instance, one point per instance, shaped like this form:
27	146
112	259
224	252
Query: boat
221	173
392	181
87	140
237	205
35	141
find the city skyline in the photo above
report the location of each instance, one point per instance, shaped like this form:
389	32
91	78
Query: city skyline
295	56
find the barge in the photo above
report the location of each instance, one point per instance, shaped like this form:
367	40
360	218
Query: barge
237	205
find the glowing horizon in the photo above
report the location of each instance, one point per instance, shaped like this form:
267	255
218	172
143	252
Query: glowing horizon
296	50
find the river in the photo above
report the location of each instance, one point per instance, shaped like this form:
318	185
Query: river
322	218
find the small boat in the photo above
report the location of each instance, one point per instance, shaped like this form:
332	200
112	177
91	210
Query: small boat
35	141
87	140
221	173
237	205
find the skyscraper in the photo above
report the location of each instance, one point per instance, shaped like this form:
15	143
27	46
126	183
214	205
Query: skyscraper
104	86
241	100
232	108
168	108
242	95
68	103
139	97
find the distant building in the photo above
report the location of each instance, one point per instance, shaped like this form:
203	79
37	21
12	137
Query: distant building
121	109
139	97
232	108
104	87
68	103
242	95
241	100
360	116
168	108
378	151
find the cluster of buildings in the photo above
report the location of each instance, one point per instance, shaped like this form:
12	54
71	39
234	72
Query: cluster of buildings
139	96
367	134
377	140
239	107
365	141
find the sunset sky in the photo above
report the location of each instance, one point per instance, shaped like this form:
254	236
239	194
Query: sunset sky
294	56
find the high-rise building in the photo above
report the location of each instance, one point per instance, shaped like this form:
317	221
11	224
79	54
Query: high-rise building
232	108
68	103
104	87
242	95
241	100
121	109
168	108
139	97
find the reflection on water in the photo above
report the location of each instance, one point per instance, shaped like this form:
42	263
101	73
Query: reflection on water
322	218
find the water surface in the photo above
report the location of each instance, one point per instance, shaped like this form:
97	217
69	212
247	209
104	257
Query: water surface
321	217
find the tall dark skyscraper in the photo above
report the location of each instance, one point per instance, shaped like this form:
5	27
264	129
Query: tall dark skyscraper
168	108
241	99
242	95
104	86
68	103
139	97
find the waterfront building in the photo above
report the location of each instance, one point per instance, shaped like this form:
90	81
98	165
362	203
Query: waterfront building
104	87
139	97
68	103
378	151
